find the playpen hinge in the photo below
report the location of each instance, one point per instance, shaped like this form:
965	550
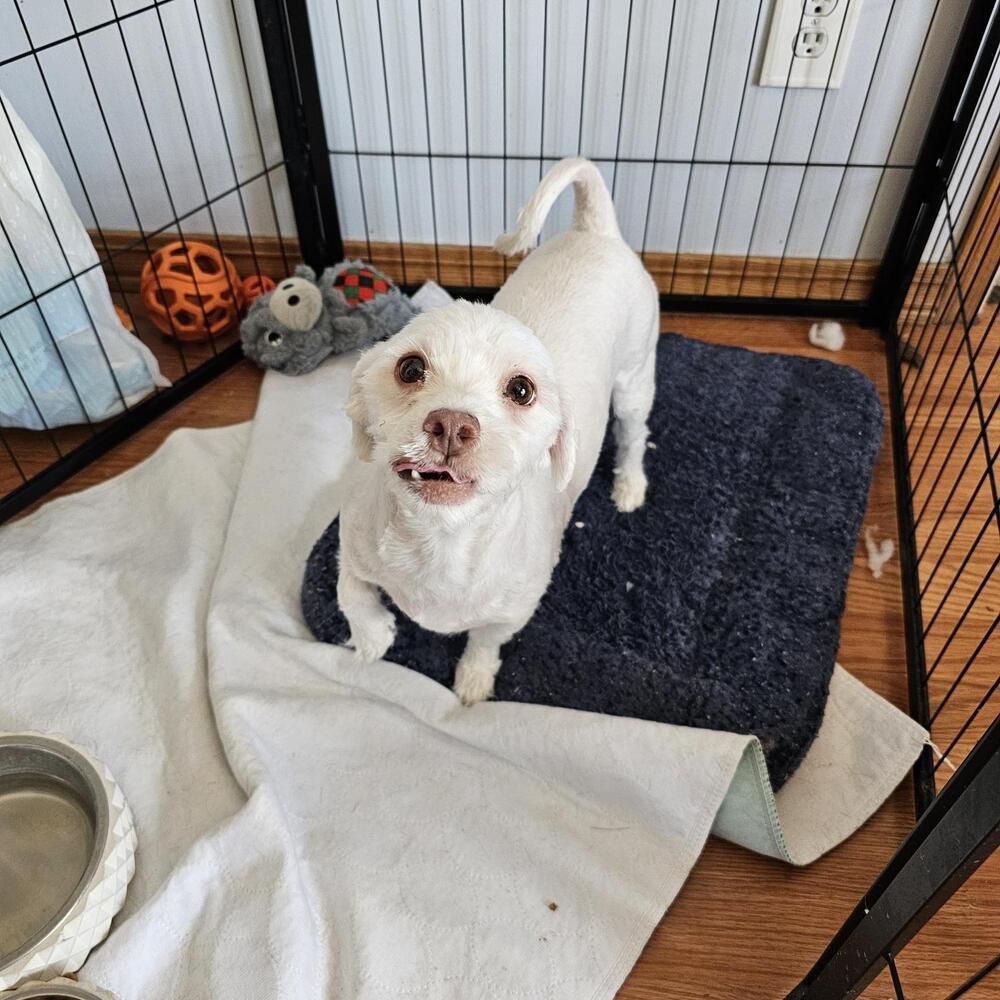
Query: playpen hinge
291	68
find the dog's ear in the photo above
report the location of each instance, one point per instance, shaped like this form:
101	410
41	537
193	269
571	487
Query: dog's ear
361	439
563	452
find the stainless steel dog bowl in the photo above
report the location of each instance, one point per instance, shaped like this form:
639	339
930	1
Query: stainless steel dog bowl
67	846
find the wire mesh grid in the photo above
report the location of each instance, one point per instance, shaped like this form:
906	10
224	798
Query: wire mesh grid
155	128
951	433
437	118
943	353
948	424
449	112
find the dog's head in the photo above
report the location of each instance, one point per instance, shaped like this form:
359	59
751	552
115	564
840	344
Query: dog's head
460	406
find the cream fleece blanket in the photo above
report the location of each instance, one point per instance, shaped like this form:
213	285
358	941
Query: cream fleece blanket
313	828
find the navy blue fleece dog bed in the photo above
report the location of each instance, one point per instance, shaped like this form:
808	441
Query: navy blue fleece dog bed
718	603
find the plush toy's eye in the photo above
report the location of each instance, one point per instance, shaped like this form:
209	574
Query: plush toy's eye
274	338
411	369
521	390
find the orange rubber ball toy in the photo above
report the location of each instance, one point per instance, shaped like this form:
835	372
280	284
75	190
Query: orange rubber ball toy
255	286
191	291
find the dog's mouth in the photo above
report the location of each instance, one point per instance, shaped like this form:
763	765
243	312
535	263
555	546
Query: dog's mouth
435	483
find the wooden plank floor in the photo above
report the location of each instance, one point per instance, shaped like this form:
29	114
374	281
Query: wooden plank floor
743	927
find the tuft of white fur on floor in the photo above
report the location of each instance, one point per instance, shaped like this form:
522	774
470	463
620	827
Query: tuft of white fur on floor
828	334
879	553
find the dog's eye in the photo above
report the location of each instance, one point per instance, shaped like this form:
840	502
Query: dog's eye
411	369
274	338
521	390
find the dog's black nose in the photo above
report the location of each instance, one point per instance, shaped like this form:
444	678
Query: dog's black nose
452	431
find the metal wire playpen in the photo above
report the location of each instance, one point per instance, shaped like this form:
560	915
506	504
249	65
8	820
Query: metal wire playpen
871	195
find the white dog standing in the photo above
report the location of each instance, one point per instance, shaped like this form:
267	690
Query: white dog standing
478	426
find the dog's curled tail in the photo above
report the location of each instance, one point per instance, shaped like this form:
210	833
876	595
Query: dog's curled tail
594	211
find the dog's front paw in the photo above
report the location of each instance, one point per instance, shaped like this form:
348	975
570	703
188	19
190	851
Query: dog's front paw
372	638
473	684
629	492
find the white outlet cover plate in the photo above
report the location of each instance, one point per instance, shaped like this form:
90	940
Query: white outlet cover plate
780	67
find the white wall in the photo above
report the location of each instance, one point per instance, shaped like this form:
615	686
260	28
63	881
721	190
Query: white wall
64	69
971	172
637	185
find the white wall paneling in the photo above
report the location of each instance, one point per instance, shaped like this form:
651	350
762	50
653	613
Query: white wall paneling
657	86
635	81
163	182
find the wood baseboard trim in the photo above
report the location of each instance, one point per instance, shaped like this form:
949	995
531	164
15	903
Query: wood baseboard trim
454	265
125	252
682	274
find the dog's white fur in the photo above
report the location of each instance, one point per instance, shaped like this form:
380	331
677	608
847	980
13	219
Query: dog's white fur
580	318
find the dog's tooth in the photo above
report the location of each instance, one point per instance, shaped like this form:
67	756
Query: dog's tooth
414	474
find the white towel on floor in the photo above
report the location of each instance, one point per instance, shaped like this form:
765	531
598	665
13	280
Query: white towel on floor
310	827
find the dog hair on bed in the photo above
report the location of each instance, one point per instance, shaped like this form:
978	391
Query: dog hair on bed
477	427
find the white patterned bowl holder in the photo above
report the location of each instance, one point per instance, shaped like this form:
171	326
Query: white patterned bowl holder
66	947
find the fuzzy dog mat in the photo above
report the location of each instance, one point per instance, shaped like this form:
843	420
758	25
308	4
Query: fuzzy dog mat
718	604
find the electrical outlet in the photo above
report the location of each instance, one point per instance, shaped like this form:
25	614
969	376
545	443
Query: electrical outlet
809	43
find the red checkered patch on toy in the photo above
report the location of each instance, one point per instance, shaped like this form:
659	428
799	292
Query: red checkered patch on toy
361	284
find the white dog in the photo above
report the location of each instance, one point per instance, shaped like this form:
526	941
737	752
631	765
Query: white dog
478	426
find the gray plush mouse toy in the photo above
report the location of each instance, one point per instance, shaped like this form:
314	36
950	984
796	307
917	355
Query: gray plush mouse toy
303	321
